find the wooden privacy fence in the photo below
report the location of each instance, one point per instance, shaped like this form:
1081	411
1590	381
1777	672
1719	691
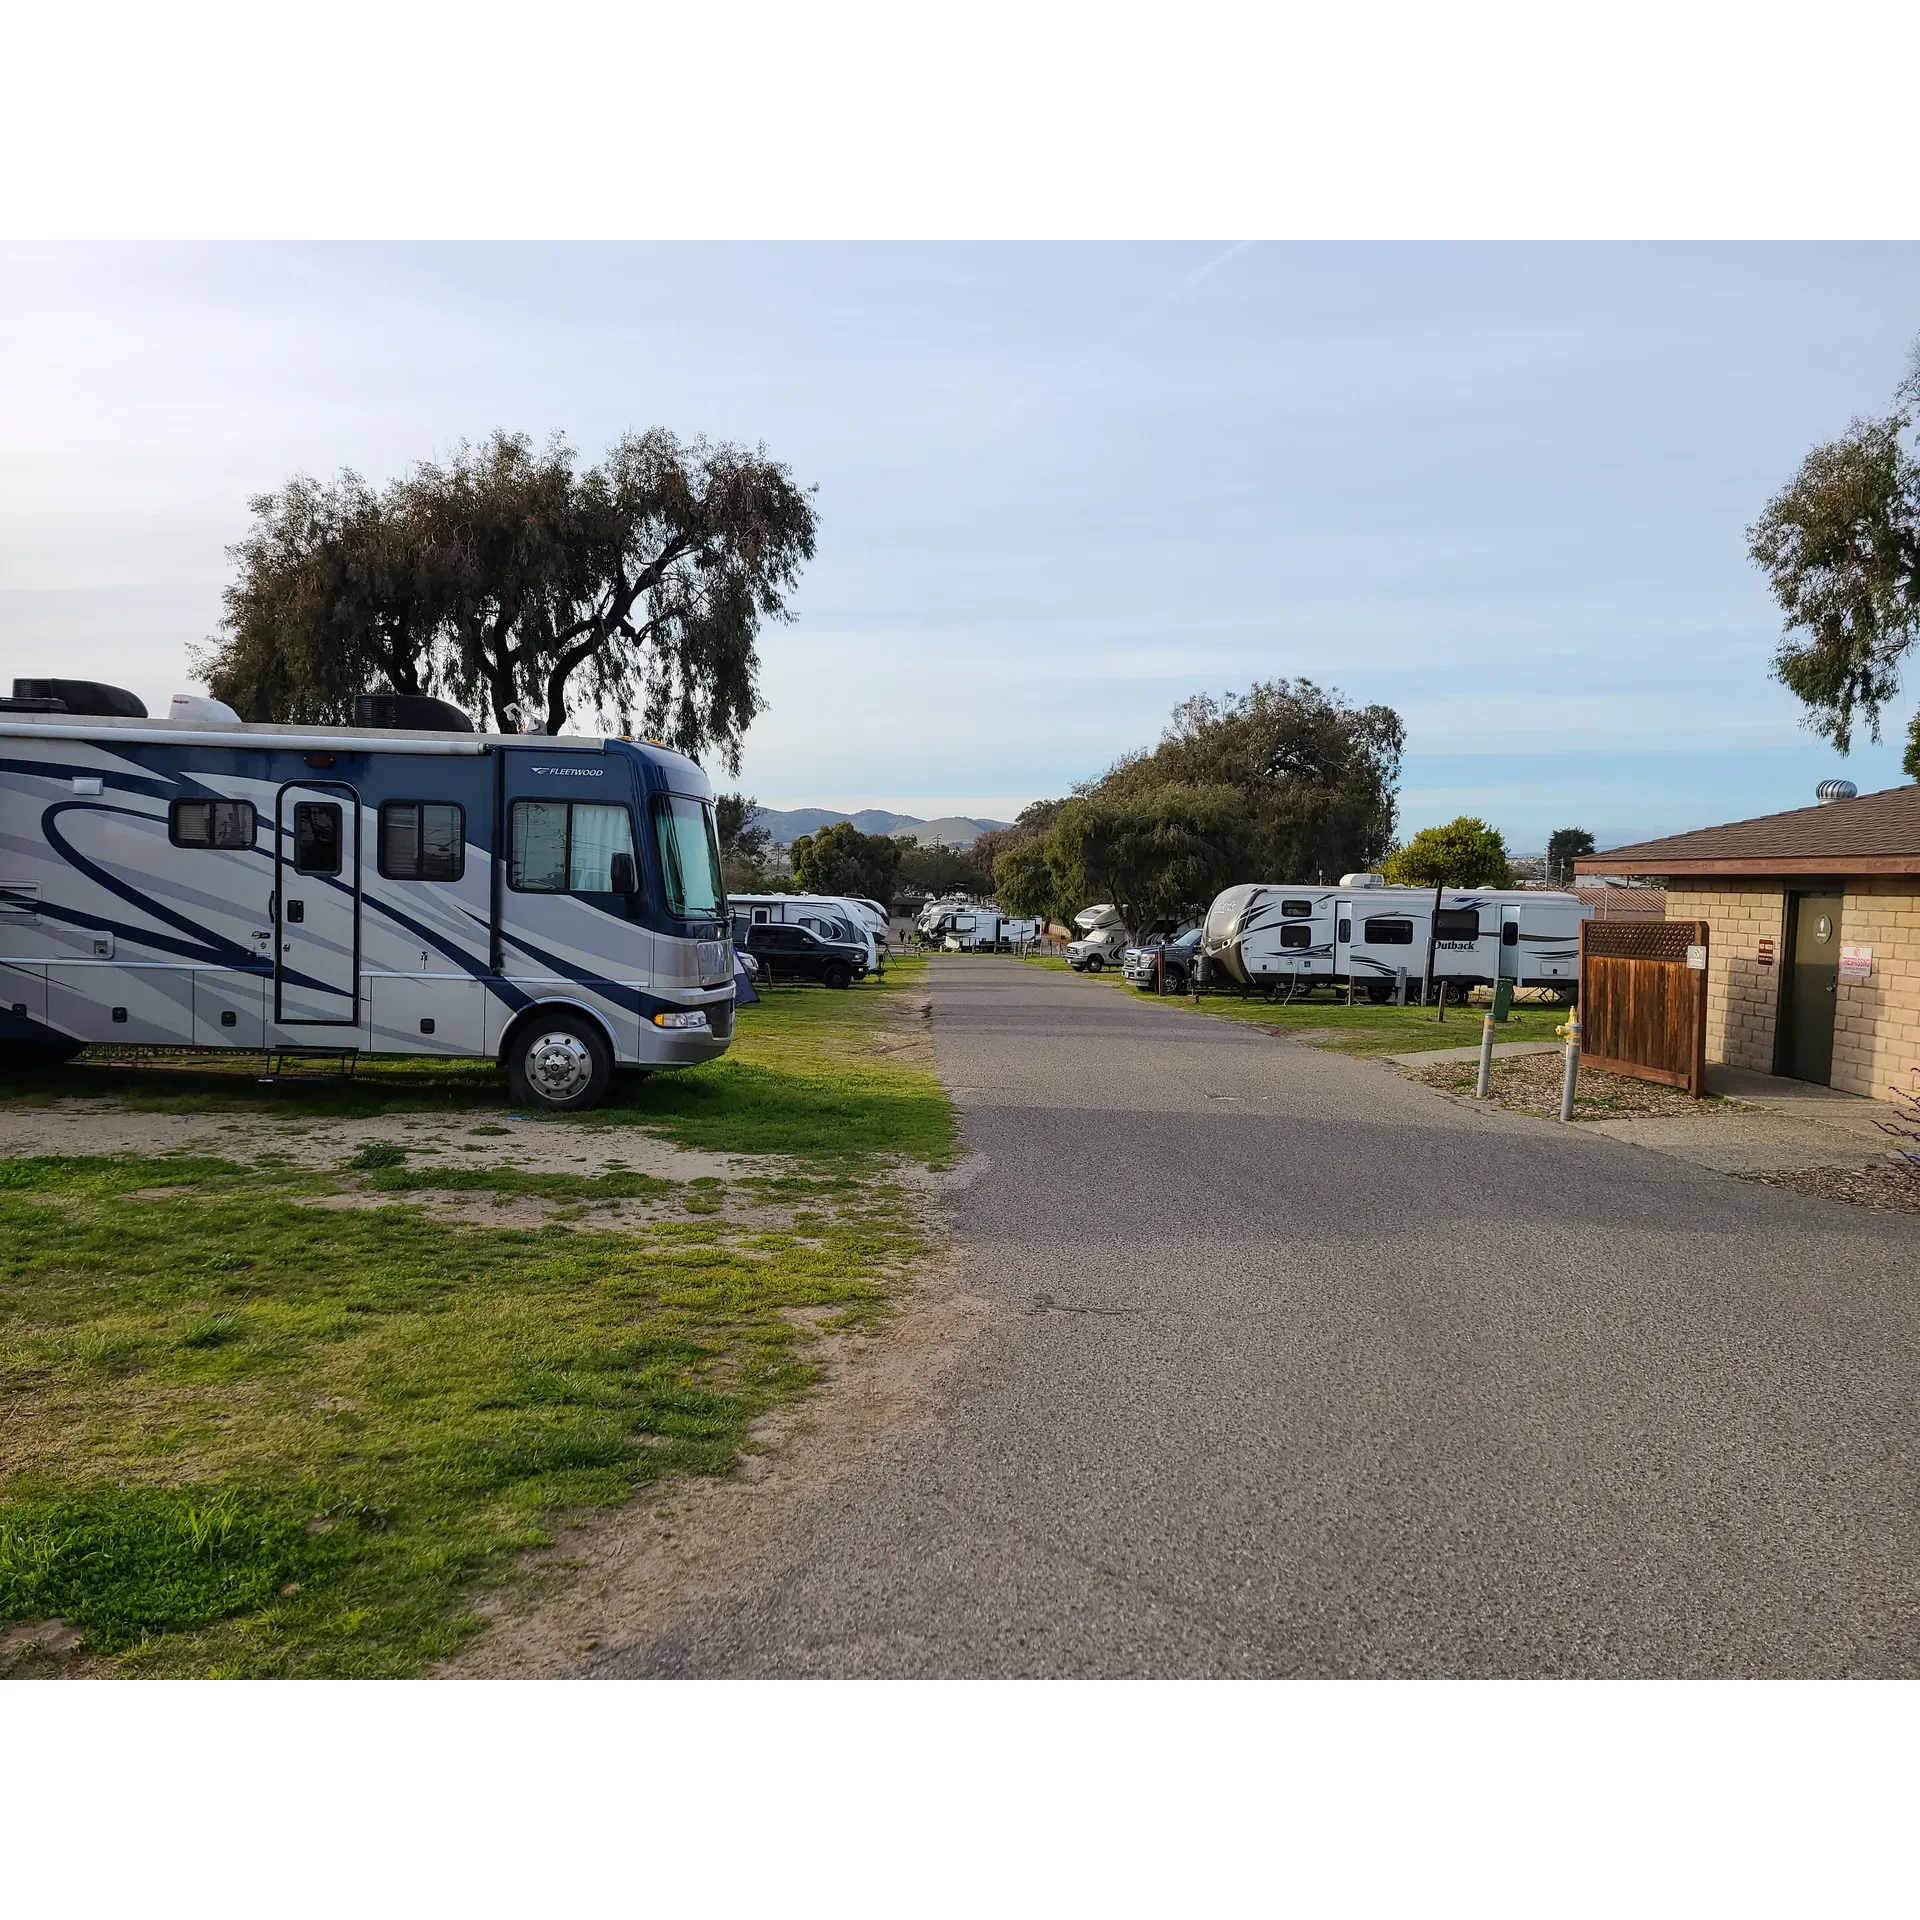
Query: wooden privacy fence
1643	1009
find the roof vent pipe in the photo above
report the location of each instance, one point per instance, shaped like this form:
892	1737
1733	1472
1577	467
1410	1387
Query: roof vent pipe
1828	791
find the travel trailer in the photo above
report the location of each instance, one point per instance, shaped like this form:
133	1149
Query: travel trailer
1293	938
986	930
403	885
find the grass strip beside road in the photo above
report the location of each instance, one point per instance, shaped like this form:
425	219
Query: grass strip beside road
811	1072
265	1419
1323	1018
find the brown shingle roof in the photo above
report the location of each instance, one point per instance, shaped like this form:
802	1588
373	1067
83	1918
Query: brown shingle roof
1877	833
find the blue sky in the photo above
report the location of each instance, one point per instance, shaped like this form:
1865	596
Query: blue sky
1060	487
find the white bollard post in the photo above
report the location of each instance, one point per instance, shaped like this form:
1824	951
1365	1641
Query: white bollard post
1484	1085
1572	1073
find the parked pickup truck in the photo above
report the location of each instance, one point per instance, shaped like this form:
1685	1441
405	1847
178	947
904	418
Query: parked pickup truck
798	953
1162	963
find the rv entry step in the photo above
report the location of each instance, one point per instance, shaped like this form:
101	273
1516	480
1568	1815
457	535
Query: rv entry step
309	1058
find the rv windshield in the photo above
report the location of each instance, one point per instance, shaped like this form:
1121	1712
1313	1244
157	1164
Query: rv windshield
689	855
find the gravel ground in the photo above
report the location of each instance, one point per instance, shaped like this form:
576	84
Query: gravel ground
1531	1084
1885	1187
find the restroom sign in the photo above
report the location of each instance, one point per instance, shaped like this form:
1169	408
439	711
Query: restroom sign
1856	963
1697	959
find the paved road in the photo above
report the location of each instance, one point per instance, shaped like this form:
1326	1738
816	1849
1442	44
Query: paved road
1298	1369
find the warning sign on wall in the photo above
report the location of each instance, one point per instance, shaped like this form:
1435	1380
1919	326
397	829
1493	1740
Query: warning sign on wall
1766	953
1856	963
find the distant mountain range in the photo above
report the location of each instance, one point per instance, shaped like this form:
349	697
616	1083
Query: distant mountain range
952	831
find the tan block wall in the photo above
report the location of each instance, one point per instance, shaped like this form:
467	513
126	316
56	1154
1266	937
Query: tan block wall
1743	996
1876	1024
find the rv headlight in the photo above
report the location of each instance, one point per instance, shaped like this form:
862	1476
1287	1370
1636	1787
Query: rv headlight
693	1019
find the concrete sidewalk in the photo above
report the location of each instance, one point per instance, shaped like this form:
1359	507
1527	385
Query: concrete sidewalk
1502	1050
1776	1125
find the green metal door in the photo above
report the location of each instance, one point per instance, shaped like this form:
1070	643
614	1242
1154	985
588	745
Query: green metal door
1813	987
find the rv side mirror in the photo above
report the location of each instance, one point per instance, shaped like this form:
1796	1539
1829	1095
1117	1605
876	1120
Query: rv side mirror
624	878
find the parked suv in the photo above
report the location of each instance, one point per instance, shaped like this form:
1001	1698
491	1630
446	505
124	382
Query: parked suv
798	953
1144	964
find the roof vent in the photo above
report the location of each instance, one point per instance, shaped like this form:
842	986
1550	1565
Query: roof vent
199	710
415	712
1828	791
88	697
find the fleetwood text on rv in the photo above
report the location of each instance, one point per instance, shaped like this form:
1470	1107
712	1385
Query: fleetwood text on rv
552	903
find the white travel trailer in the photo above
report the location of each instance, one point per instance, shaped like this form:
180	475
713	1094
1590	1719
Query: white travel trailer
1289	938
1476	936
986	930
1278	937
553	903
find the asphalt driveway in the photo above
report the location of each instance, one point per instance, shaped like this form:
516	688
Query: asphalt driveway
1298	1369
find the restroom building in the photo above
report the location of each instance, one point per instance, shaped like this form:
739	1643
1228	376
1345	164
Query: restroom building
1814	935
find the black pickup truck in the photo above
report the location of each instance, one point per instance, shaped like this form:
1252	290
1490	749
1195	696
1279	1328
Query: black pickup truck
798	953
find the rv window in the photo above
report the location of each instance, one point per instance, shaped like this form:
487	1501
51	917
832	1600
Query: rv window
422	840
1295	909
1345	932
1510	934
562	847
211	823
1456	923
316	836
598	834
761	915
689	855
1388	933
1296	936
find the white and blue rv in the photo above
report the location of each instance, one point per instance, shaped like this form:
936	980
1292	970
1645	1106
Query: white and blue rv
553	903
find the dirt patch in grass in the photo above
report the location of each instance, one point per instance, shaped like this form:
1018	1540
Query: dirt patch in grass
616	1578
1886	1188
1531	1084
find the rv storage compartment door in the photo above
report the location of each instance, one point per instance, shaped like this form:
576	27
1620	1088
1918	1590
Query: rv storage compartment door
316	885
229	1008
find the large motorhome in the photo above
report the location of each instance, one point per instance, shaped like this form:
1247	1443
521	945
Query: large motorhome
1102	939
1292	938
553	903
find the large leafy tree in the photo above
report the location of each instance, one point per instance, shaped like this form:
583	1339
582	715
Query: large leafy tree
523	584
746	850
1841	547
1565	845
1317	778
1024	881
1157	854
336	595
1464	853
842	860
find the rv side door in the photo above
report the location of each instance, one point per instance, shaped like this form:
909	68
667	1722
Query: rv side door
316	905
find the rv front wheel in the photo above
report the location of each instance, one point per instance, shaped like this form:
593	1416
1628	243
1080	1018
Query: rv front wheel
560	1062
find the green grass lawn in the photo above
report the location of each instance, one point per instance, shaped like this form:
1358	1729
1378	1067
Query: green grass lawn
249	1434
810	1072
1324	1019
